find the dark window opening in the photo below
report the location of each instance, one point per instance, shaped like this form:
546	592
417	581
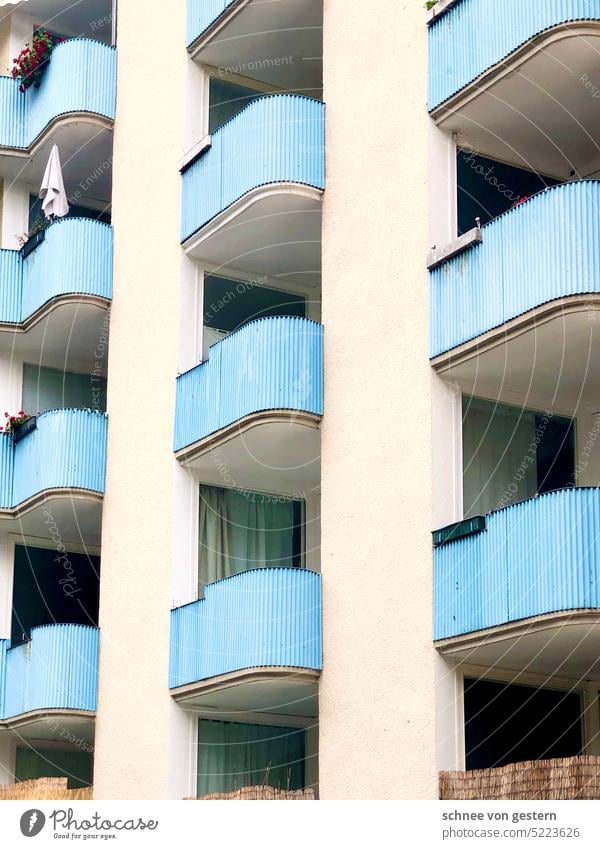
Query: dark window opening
226	100
51	588
228	304
38	219
508	723
487	188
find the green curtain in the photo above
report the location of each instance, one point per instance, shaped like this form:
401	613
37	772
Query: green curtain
239	531
232	755
52	763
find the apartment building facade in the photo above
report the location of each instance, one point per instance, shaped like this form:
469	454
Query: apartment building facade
254	393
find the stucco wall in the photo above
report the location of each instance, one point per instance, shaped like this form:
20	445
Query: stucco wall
136	718
377	715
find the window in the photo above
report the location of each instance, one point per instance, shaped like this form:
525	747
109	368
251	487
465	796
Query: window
51	588
49	389
226	100
487	188
512	453
229	304
232	755
507	723
242	530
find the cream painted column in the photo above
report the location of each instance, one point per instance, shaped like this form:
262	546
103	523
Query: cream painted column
141	736
377	712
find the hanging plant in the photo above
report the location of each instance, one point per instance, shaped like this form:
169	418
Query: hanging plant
33	59
13	422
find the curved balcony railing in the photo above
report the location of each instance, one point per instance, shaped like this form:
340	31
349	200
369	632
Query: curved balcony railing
543	249
474	35
67	450
264	617
201	14
56	669
74	258
537	557
277	138
268	364
80	77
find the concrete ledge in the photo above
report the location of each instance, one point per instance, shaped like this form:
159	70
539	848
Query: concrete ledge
439	9
438	256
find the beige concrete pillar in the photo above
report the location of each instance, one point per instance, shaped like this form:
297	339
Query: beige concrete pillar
377	717
136	717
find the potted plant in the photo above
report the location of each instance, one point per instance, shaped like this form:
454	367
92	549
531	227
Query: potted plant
19	425
35	236
31	62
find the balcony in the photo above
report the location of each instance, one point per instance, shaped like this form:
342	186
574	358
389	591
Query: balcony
516	80
80	78
278	43
258	400
253	199
259	631
558	778
67	450
526	588
538	259
75	258
56	670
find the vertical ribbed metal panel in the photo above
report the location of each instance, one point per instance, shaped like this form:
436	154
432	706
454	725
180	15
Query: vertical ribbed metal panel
543	249
58	668
75	257
265	617
539	556
81	77
68	449
13	114
4	646
201	14
11	285
268	364
276	138
474	35
7	461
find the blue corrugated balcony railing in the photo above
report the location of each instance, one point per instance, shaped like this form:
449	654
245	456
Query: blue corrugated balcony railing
80	77
56	669
537	557
201	14
543	249
268	364
278	138
67	450
264	617
474	35
74	258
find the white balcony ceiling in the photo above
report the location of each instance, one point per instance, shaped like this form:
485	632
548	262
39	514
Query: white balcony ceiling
279	42
536	111
86	18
